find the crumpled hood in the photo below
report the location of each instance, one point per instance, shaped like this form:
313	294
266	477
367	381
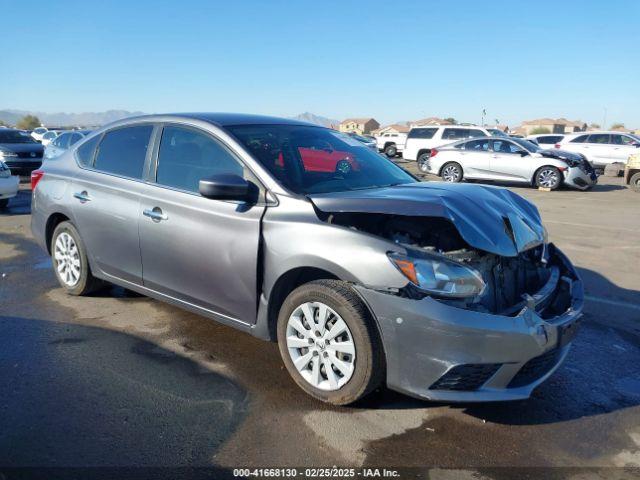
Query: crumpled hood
561	155
492	219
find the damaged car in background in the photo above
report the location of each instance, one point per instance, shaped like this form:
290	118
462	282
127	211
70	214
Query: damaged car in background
361	273
511	160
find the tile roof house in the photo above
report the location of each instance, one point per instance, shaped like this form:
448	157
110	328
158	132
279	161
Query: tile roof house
393	128
430	121
359	125
559	125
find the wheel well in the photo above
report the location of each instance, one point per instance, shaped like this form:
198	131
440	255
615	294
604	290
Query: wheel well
286	284
389	144
424	150
535	174
449	163
52	222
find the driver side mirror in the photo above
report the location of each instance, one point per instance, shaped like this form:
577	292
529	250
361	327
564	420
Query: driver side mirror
227	187
523	153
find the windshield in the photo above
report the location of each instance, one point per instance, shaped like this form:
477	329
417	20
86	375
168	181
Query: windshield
496	132
310	160
526	144
14	136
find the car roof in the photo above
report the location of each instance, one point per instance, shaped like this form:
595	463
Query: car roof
223	119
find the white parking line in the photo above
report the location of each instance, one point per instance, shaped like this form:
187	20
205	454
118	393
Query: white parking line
615	303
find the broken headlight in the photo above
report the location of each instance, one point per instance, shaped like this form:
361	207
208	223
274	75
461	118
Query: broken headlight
439	276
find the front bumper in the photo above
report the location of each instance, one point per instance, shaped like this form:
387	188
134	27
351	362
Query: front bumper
439	352
575	177
9	187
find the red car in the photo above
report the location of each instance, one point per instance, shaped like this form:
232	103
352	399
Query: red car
324	158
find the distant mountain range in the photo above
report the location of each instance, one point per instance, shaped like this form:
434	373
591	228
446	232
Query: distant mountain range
88	119
317	119
68	119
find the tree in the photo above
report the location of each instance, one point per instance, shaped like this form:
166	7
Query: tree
28	122
539	131
451	120
615	126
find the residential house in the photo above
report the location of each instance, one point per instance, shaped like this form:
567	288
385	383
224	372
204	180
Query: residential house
394	128
359	125
430	121
559	125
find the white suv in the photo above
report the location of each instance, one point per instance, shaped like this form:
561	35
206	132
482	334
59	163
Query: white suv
421	140
391	143
602	148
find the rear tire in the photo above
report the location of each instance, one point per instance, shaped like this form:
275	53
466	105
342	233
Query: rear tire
391	151
634	182
548	177
70	262
354	356
423	162
451	172
4	203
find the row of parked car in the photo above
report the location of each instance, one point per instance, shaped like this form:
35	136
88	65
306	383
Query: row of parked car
480	153
22	152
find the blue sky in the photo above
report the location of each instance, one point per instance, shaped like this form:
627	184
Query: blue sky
395	60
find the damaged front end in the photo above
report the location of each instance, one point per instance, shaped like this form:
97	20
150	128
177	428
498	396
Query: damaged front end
439	263
489	307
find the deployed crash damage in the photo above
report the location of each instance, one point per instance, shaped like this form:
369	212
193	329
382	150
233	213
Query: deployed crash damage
511	257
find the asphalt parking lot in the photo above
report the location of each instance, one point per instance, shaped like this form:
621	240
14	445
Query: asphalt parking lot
122	380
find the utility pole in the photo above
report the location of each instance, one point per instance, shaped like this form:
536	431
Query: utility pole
604	119
484	112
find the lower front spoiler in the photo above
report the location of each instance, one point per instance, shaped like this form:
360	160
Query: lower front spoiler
439	352
576	178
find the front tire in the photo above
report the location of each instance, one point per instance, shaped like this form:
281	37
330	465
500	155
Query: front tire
70	262
548	177
329	343
451	172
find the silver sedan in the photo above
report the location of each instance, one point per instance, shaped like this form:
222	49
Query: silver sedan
510	160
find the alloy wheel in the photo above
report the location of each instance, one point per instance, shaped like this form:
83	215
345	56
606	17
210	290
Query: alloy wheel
548	178
321	346
451	173
67	259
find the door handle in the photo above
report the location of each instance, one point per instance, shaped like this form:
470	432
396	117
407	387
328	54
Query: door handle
155	214
82	196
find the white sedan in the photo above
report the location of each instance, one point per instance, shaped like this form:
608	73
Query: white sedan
511	160
8	185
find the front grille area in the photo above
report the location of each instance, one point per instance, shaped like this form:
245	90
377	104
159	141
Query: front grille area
466	377
535	368
28	155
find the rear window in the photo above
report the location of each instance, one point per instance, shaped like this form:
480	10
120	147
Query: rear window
422	133
123	151
461	133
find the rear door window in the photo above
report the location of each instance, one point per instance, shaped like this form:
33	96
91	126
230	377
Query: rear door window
580	139
473	133
186	156
86	151
123	151
477	145
426	133
601	138
549	140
